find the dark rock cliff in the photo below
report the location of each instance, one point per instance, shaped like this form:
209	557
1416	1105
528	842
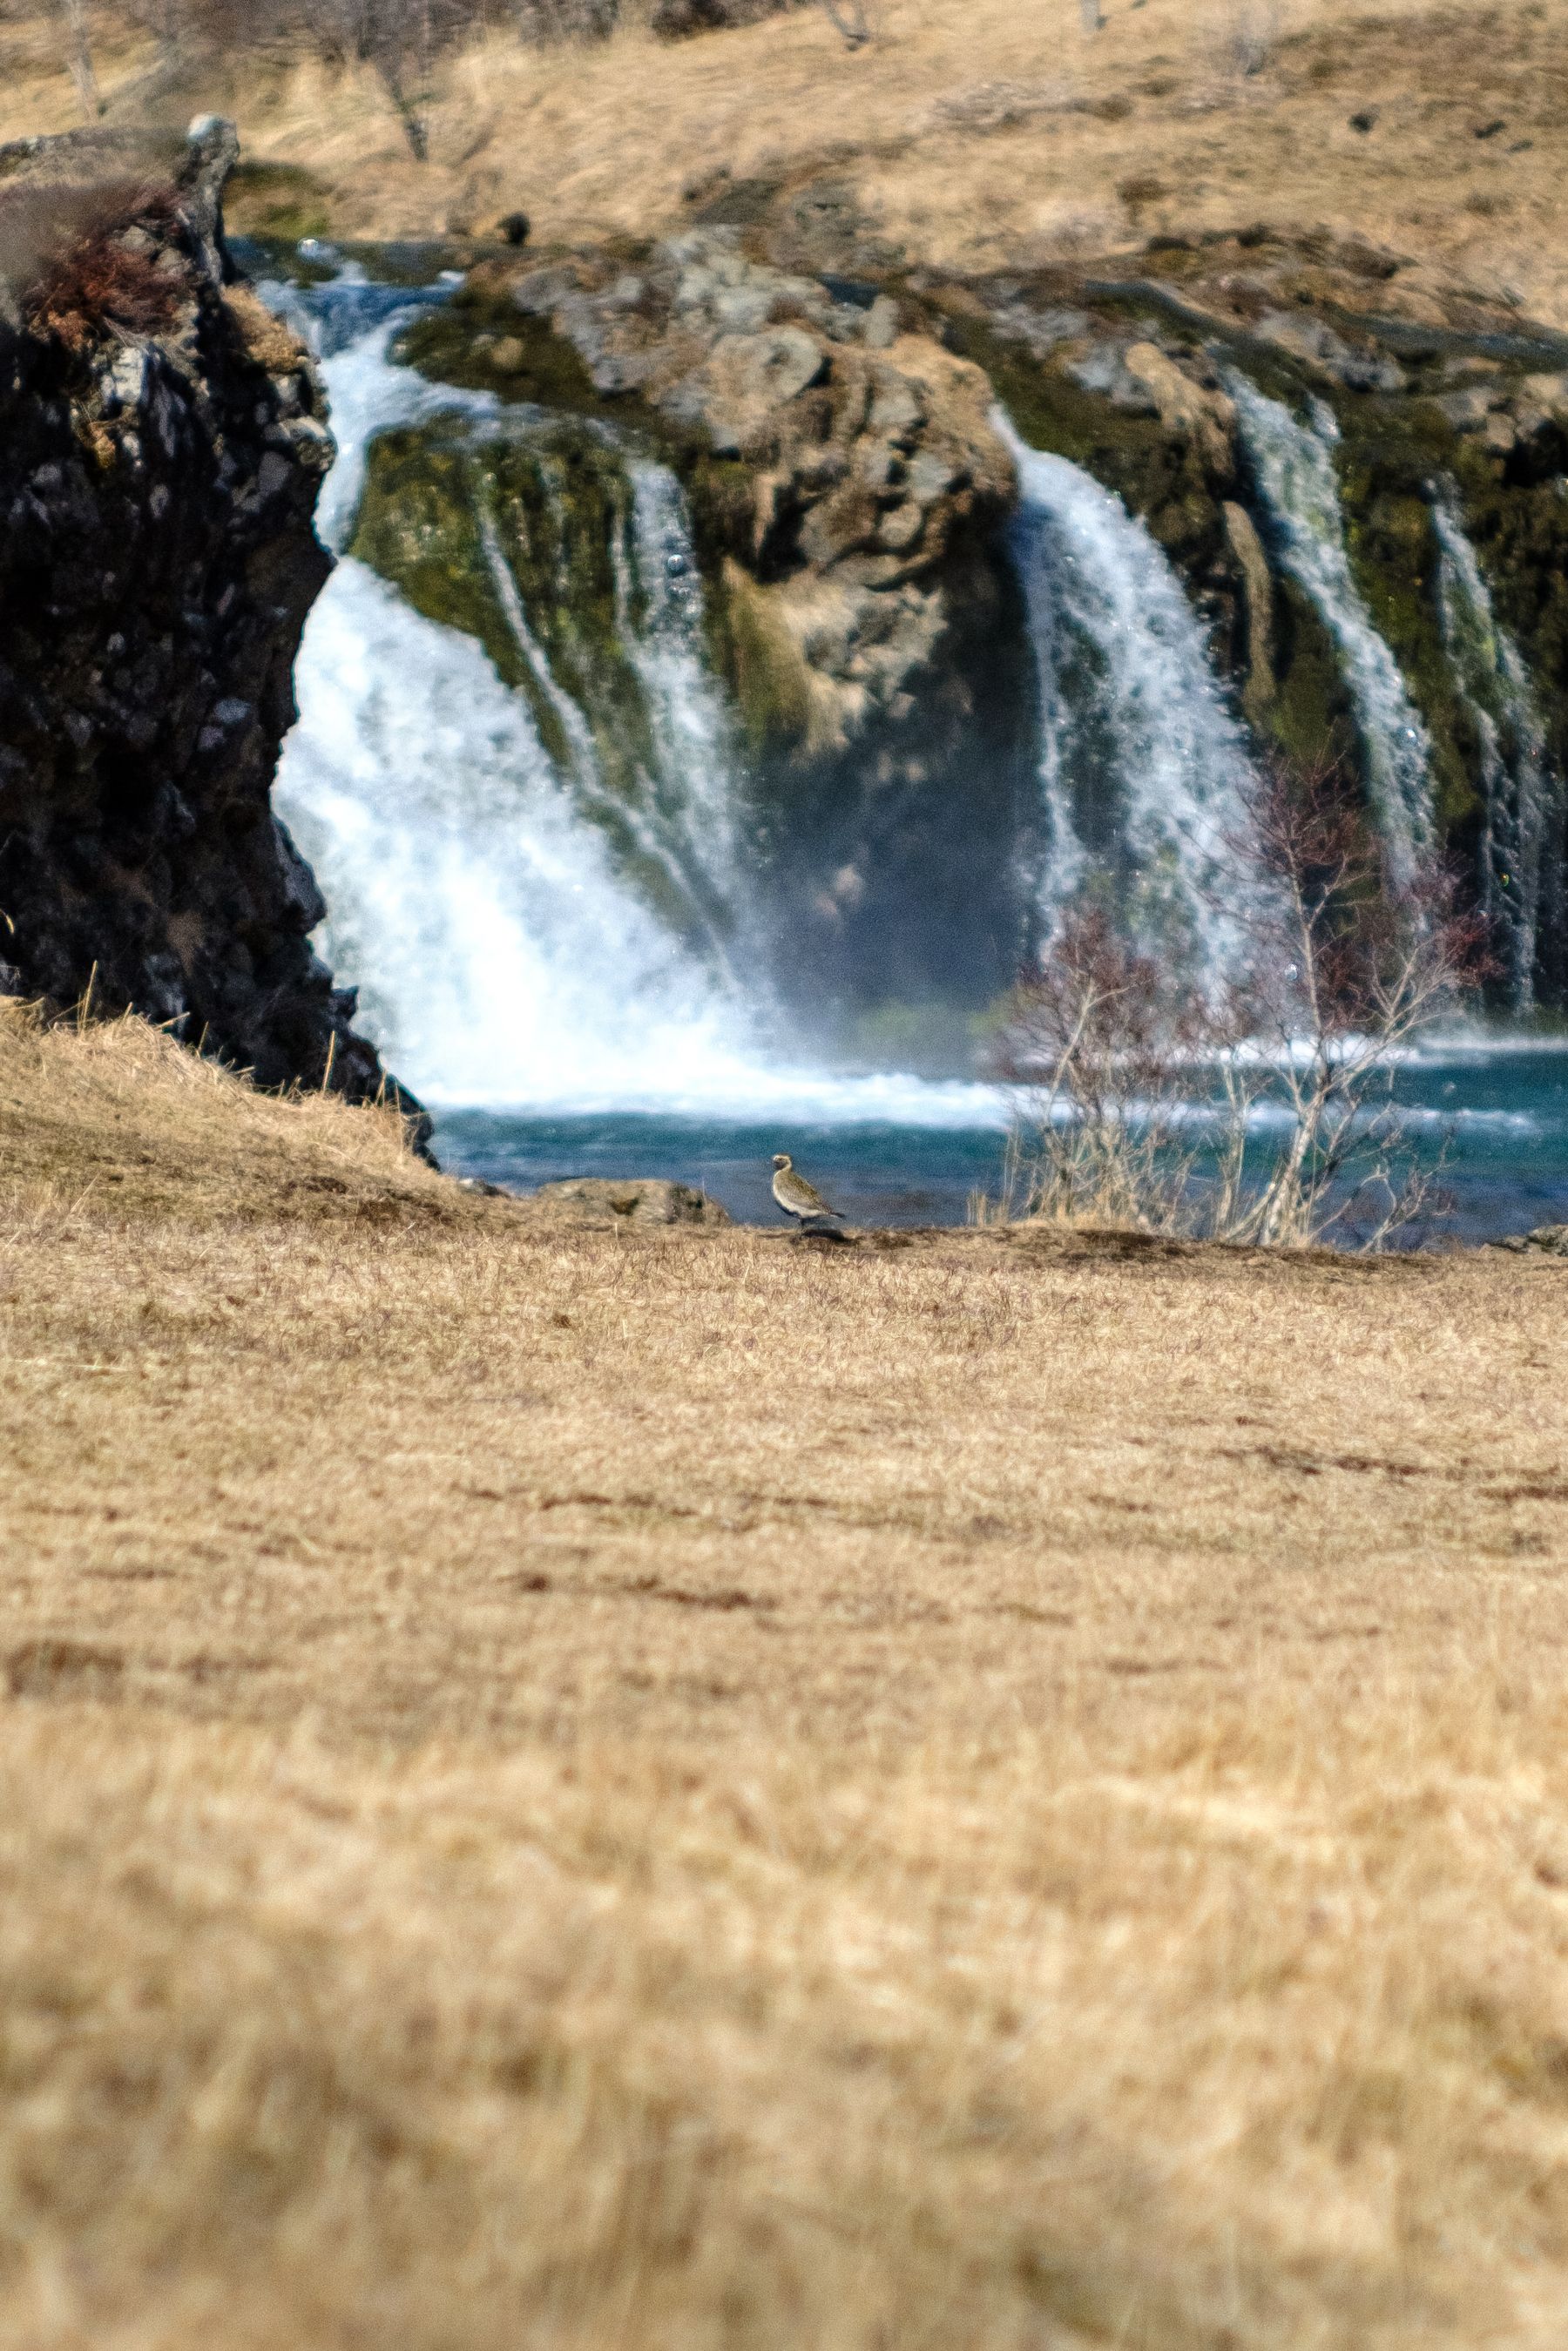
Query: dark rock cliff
162	440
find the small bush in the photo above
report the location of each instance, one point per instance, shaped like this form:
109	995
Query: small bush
1140	1094
105	265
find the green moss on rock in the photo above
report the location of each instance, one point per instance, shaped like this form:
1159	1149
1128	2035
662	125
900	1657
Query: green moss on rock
276	199
522	543
483	342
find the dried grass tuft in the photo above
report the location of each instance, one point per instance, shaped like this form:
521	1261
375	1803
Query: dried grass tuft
88	259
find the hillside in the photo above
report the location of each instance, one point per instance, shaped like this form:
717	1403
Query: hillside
971	134
586	1786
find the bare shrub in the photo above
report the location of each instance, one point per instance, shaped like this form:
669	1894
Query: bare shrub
1251	36
80	45
1098	1048
849	18
101	260
1140	1099
1344	974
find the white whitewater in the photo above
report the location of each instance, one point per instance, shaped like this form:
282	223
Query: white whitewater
1295	469
502	960
1143	772
349	326
693	752
1520	790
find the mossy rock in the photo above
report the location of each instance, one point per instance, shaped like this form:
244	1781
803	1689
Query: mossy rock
482	342
523	544
282	201
1156	473
764	668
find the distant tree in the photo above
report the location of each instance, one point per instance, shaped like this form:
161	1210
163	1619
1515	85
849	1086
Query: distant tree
79	50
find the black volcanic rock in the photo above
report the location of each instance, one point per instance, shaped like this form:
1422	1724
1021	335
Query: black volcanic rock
162	440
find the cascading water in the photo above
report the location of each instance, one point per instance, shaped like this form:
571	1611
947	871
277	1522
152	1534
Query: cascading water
1295	471
1145	773
531	828
481	879
503	959
1519	792
500	954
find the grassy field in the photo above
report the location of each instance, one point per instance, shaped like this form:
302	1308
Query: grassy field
972	133
588	1789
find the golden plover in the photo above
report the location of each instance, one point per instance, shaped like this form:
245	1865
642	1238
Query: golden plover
799	1200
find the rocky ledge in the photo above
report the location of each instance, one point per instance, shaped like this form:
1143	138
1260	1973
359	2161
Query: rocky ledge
830	406
849	491
162	439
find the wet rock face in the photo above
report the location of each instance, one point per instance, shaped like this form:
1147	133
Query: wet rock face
851	496
157	561
1433	402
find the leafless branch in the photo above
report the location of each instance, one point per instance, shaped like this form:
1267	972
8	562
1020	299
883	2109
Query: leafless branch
1141	1100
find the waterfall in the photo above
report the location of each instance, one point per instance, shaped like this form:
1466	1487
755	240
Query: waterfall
1295	469
503	956
1518	789
500	952
1143	772
483	877
693	756
349	325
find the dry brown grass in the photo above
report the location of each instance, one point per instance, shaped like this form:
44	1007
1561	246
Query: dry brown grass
977	134
87	277
662	1788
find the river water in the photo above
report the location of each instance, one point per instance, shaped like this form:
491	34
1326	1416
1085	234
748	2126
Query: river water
508	921
1490	1115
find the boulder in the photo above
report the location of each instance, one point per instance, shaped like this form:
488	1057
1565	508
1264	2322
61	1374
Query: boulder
1201	410
1546	1240
847	477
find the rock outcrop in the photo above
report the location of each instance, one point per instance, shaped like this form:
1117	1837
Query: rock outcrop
850	495
1546	1240
1443	416
162	439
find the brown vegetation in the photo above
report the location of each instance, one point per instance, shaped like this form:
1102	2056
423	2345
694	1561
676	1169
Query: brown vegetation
103	258
672	1788
972	134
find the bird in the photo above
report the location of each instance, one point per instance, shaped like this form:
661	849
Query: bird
802	1200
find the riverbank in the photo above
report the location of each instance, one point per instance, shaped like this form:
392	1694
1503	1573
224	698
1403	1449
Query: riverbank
659	1786
965	139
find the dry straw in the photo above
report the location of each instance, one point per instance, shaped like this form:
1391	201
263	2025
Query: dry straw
578	1789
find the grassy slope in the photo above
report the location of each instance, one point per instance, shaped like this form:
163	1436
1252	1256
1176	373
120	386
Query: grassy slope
962	128
586	1789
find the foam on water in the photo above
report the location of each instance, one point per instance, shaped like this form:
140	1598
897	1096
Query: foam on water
350	326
